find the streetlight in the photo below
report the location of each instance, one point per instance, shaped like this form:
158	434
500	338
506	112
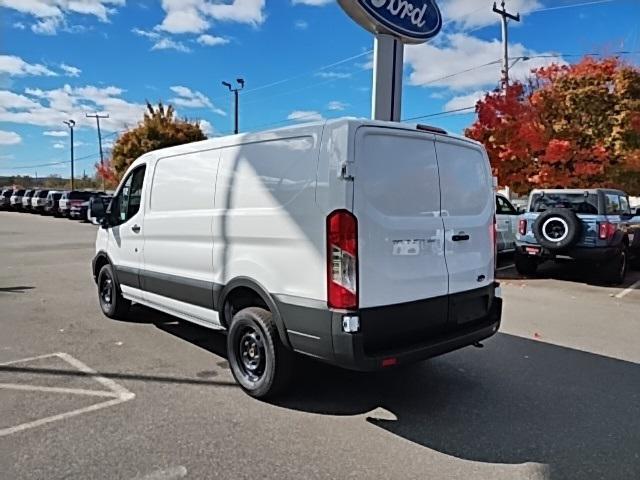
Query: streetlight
71	124
235	92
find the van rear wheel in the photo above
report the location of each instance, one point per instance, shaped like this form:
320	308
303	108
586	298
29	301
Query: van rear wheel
112	303
259	361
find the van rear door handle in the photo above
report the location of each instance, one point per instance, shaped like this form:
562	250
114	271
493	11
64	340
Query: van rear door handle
135	229
460	238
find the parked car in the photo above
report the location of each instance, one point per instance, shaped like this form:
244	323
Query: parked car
309	240
16	199
595	225
73	198
98	208
39	200
79	209
51	204
506	224
26	199
5	198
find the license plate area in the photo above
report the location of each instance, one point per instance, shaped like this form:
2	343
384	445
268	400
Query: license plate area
535	251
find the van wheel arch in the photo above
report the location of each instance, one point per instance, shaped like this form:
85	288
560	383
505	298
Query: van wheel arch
243	292
100	260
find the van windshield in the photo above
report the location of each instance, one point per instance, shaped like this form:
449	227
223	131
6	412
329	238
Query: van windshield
578	202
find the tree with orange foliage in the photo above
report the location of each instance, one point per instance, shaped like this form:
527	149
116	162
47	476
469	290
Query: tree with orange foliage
158	129
573	126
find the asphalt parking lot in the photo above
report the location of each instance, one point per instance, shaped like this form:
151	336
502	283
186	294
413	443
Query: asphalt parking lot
555	395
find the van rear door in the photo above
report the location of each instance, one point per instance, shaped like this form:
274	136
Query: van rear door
468	208
400	230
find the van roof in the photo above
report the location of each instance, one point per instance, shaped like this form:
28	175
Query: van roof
299	129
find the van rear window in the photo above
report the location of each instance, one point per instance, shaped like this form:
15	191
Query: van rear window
578	202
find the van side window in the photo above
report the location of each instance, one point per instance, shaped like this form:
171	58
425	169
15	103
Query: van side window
127	202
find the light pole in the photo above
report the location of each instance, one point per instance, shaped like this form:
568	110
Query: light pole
71	124
235	92
98	117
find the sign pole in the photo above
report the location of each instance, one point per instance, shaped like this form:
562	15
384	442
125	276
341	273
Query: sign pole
388	62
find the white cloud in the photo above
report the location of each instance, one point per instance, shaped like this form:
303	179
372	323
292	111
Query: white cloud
192	99
49	108
211	41
71	71
55	133
312	3
464	101
207	128
169	44
305	116
195	16
51	14
59	145
333	75
19	26
17	67
429	63
301	24
337	106
471	14
160	42
9	138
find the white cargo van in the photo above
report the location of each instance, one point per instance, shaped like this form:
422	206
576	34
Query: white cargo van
359	243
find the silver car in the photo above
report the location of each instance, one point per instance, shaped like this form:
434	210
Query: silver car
506	224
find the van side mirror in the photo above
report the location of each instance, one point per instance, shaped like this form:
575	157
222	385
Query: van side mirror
638	212
521	210
104	222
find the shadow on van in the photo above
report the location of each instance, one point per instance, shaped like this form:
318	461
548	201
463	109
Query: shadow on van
515	401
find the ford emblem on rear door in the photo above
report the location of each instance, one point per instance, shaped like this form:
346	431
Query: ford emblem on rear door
413	21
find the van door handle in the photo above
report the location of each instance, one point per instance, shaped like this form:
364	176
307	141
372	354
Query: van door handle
135	229
460	238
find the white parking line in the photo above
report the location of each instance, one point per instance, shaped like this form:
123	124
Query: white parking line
505	268
117	393
627	291
74	391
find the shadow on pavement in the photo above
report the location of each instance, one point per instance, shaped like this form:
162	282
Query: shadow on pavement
515	401
15	289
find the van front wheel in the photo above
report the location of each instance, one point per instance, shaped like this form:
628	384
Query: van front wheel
112	303
259	362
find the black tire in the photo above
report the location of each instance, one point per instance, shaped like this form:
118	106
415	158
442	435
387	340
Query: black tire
112	303
557	228
615	270
259	362
526	265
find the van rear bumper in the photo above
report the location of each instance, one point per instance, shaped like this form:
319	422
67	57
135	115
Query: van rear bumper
350	349
394	334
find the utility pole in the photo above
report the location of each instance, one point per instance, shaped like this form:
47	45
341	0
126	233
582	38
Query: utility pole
236	91
506	16
71	124
98	117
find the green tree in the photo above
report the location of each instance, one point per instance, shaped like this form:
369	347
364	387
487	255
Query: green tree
158	129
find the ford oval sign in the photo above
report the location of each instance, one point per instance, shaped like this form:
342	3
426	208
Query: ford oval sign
412	21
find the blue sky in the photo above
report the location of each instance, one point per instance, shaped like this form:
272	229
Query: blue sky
302	60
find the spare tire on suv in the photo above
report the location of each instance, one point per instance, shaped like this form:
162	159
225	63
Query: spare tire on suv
557	228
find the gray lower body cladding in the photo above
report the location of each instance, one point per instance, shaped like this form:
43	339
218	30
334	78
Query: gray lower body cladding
407	332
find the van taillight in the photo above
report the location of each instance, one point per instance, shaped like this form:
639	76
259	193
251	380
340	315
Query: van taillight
342	260
606	231
522	227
